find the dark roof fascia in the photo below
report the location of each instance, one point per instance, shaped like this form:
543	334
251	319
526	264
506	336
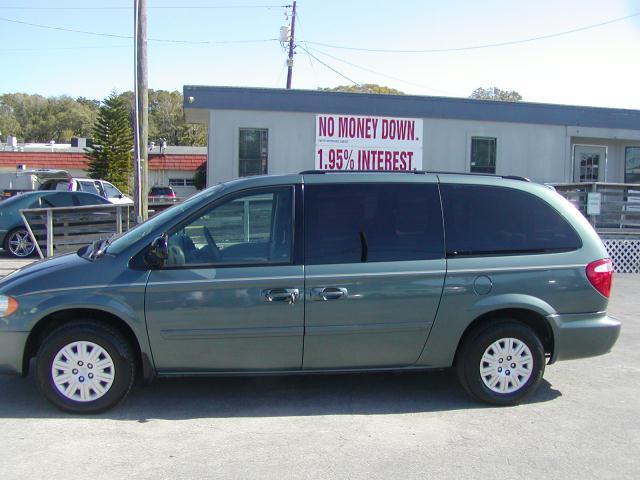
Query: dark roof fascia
316	101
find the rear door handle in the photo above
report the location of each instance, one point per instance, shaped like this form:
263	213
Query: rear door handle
328	293
288	295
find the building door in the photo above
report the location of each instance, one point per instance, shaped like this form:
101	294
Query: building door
590	163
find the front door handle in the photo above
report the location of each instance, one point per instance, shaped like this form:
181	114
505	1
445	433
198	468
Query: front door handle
328	293
288	295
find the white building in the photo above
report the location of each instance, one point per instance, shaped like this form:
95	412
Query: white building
256	130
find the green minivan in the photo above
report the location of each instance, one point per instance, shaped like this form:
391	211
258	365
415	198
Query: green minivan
320	272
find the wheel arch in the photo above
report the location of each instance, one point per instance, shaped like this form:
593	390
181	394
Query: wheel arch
531	318
144	366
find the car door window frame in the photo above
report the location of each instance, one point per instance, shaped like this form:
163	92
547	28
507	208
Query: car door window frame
296	231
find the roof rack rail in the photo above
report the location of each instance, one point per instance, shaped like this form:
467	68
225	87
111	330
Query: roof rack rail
478	174
417	172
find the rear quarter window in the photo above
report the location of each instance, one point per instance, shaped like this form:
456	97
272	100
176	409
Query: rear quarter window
487	220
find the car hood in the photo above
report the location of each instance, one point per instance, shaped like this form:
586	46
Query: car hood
56	272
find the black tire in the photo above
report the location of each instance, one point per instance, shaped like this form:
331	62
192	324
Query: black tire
7	248
471	353
110	341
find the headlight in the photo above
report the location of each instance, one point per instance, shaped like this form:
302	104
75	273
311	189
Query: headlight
8	305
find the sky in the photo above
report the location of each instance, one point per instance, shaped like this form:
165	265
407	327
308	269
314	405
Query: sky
191	45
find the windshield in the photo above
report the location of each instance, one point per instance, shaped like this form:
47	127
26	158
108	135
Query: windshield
127	239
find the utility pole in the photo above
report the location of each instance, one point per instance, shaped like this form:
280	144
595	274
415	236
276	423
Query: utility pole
141	110
291	46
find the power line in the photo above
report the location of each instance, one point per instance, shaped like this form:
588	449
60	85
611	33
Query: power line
112	35
380	73
40	49
159	7
329	66
313	69
477	47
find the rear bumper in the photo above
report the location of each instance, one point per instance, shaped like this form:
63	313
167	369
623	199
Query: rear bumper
583	335
12	351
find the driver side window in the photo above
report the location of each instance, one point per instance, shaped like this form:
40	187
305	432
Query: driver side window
254	228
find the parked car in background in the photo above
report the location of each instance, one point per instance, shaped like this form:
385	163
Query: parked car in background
159	194
89	185
20	181
14	237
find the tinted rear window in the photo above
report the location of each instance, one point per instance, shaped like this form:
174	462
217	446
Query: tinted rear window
485	220
89	199
161	191
352	223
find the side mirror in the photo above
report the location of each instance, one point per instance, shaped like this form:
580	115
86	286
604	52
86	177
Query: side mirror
120	195
158	252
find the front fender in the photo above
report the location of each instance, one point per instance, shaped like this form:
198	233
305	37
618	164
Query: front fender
124	302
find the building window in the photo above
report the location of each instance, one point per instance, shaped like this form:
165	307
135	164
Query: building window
181	182
253	156
483	155
632	165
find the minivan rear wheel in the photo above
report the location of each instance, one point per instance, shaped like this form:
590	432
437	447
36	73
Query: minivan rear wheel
501	363
85	367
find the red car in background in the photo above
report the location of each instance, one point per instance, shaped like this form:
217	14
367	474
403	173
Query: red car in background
162	194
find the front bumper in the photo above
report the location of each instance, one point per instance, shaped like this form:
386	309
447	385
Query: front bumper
12	351
583	335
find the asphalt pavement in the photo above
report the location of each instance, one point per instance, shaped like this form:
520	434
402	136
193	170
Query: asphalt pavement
582	423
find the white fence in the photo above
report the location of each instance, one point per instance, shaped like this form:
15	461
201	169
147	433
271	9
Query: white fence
64	229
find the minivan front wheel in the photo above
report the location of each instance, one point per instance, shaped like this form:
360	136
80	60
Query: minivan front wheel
85	367
501	363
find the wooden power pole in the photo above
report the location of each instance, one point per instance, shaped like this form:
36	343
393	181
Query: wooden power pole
141	111
291	46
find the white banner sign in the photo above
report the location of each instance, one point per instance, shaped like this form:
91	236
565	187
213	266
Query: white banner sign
355	142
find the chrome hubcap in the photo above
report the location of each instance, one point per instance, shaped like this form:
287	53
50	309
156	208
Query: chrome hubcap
83	371
506	365
20	244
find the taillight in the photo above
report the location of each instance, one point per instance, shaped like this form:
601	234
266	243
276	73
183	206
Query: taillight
600	274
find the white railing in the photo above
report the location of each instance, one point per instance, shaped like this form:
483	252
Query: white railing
64	229
614	209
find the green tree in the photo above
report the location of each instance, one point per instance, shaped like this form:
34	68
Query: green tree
34	118
9	125
111	157
364	88
494	93
41	119
200	177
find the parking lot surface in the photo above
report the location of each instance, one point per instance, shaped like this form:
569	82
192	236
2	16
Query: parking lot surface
582	423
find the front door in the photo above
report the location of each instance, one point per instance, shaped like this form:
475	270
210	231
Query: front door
230	294
590	163
375	268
